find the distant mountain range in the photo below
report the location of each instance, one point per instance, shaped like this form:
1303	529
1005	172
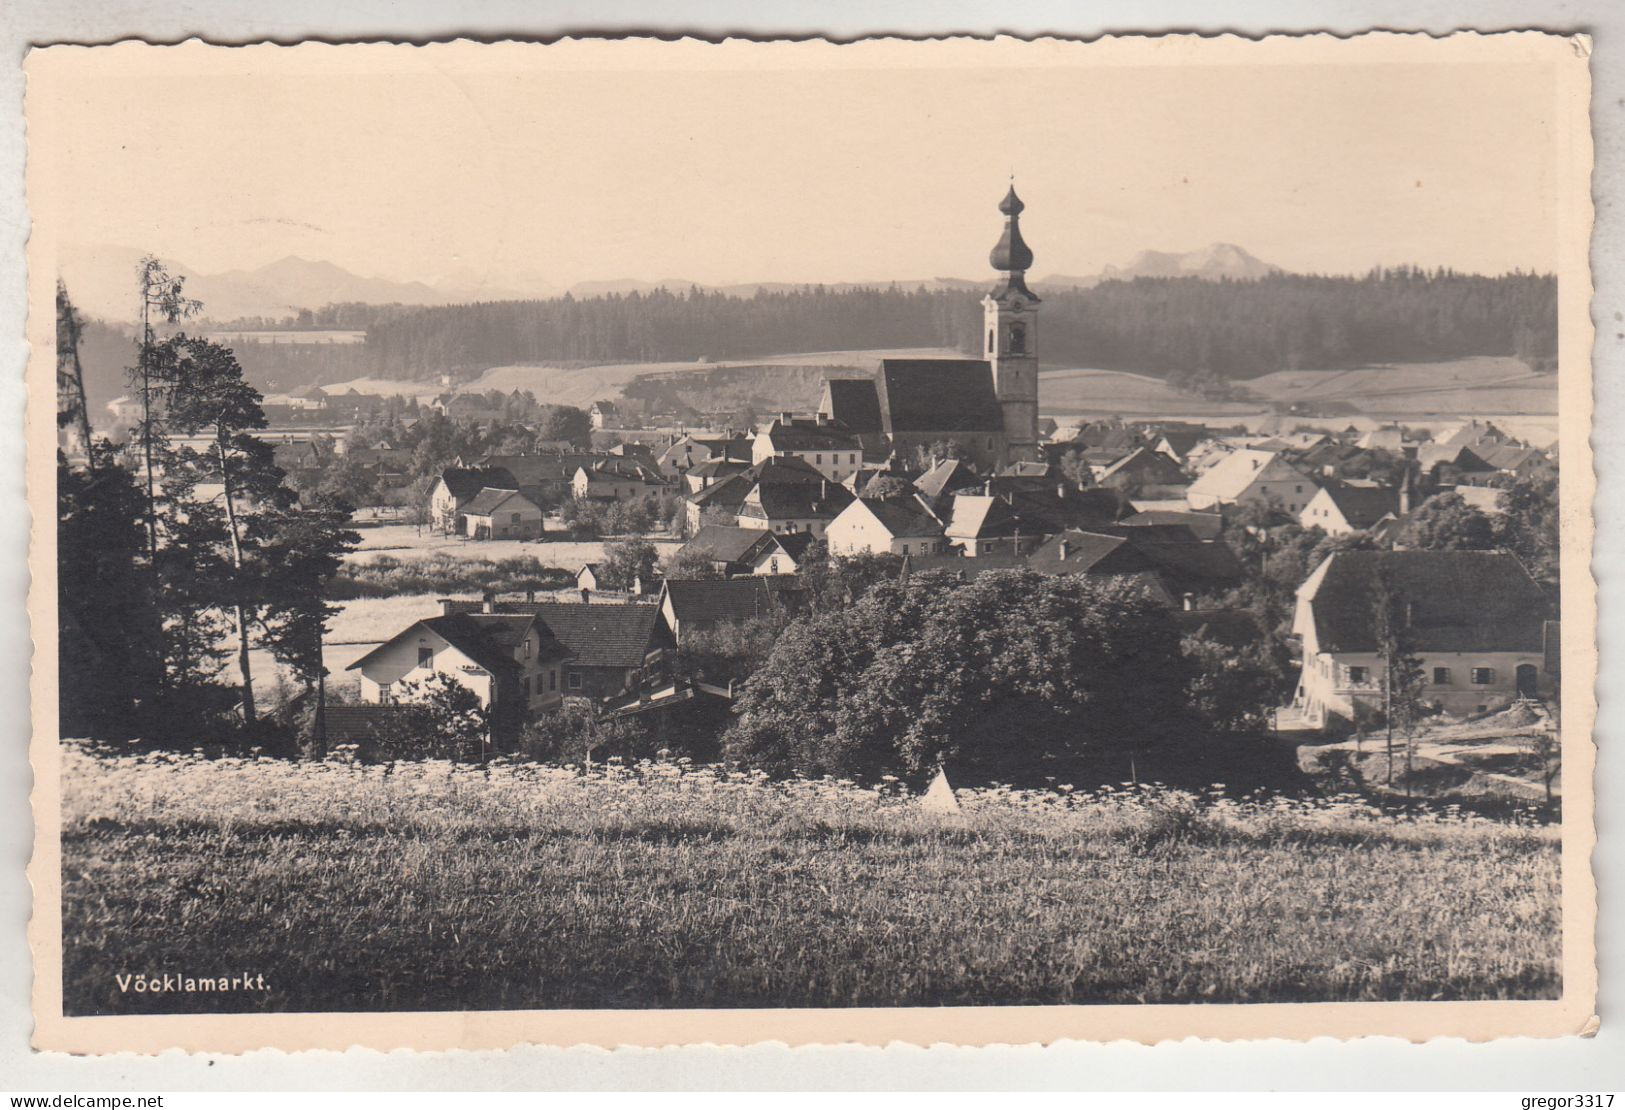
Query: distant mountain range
101	280
1214	262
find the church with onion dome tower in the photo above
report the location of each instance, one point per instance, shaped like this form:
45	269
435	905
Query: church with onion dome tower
988	406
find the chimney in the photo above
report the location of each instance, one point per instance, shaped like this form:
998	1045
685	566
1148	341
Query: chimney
823	490
586	596
1188	601
785	418
823	417
1064	547
446	606
488	602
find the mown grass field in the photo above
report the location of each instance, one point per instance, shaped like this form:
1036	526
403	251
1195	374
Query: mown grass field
427	887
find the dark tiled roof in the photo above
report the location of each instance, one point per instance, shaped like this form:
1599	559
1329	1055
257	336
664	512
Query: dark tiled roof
467	482
903	518
538	469
795	544
947	476
855	403
1145	465
1182	441
802	436
699	603
725	544
489	499
488	642
607	635
1206	526
801	501
938	395
1459	600
1363	506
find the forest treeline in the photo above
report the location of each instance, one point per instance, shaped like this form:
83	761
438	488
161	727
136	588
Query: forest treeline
1170	327
1162	326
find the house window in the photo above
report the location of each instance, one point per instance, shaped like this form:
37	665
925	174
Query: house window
1483	676
515	518
1358	676
773	565
819	459
1018	339
527	647
905	549
1441	676
1297	489
552	680
575	680
426	657
524	687
386	695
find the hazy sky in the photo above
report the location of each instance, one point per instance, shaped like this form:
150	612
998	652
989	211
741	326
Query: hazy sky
522	172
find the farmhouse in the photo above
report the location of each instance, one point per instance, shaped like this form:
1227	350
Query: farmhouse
688	451
687	606
505	659
610	648
734	551
1182	562
502	514
1343	507
876	526
1249	477
988	406
457	487
980	525
826	446
1475	620
708	473
610	479
1146	473
604	414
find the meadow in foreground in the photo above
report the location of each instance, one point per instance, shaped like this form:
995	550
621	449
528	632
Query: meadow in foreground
428	886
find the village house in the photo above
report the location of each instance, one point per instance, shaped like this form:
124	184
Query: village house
1178	443
695	605
980	525
876	526
1343	507
735	551
457	487
1475	621
614	479
793	507
1251	477
545	477
502	514
611	647
504	659
1145	473
604	415
1182	563
708	473
687	451
588	578
826	446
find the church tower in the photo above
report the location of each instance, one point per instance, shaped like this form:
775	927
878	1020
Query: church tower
1009	314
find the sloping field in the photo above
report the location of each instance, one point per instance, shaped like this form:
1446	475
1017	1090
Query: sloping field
1469	386
1073	393
582	385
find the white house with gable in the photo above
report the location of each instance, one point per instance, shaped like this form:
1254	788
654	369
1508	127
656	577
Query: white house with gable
1250	476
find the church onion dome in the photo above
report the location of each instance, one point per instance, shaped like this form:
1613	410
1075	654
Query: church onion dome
1012	252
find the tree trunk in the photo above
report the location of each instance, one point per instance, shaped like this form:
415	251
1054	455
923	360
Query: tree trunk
243	664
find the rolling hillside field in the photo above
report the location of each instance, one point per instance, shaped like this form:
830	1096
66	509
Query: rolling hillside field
431	886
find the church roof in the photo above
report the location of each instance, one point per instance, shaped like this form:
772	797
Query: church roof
854	403
938	395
